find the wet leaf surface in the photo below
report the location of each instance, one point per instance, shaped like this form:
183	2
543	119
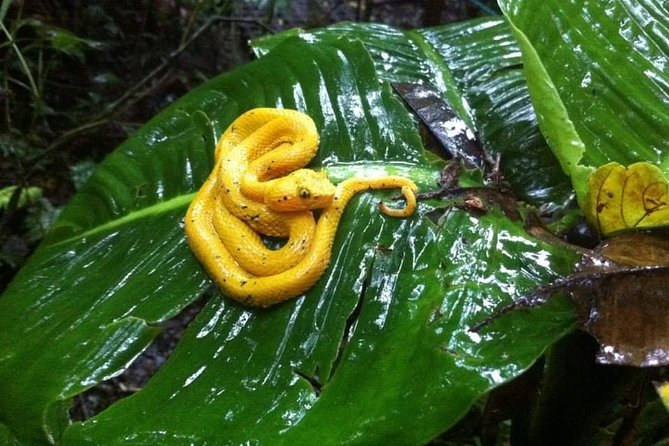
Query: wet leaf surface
593	109
477	69
398	299
596	112
621	291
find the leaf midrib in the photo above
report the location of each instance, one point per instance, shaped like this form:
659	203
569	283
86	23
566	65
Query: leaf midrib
337	172
154	209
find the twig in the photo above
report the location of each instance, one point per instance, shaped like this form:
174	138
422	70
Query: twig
364	10
153	73
483	7
103	117
22	61
5	96
4	8
191	21
156	84
218	18
65	137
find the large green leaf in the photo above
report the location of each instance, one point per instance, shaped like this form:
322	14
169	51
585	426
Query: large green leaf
381	344
484	58
406	369
477	67
597	75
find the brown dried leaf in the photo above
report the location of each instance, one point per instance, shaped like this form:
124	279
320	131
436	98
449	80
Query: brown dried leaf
621	292
627	311
637	248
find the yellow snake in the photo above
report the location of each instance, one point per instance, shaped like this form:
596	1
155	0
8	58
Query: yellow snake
259	186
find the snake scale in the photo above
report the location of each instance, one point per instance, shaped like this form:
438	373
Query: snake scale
259	187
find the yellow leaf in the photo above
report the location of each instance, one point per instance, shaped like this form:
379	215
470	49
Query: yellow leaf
619	197
663	390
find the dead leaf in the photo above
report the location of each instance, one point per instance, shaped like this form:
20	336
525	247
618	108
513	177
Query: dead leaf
637	248
621	292
452	133
628	313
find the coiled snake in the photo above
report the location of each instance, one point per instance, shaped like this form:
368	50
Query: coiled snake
258	186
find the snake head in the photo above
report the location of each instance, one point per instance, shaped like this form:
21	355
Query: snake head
301	190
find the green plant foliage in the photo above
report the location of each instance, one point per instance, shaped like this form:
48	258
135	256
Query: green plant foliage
381	344
6	437
597	106
26	196
413	322
476	66
65	41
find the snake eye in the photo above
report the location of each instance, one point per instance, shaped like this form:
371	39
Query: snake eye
304	193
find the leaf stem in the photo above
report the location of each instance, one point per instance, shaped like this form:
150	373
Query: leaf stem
22	61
